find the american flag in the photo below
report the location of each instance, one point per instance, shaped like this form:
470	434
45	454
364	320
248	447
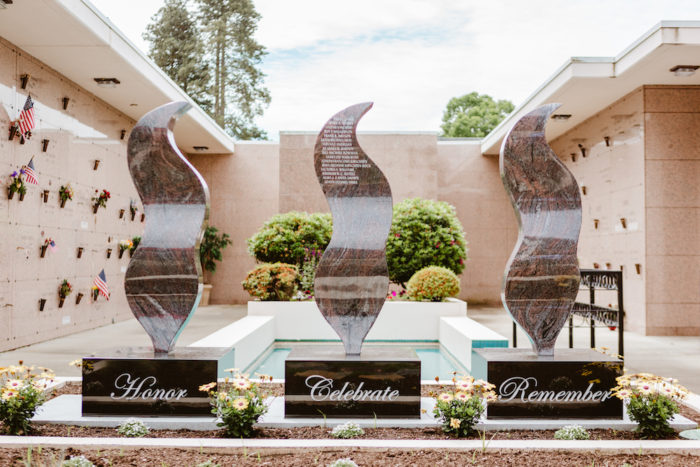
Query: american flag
101	284
26	117
52	245
30	174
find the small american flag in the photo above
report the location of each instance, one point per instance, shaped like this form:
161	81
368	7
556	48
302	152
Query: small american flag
52	245
30	174
101	284
26	117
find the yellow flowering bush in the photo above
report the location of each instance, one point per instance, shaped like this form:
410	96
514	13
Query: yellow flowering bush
651	402
268	282
239	406
459	408
433	283
21	393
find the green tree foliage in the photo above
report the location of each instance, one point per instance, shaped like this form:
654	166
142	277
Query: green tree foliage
473	115
287	238
424	233
238	92
212	54
176	46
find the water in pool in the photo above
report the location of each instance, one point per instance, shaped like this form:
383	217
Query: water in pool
433	363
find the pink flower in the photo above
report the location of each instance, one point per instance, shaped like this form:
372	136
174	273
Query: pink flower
437	245
397	235
393	294
461	261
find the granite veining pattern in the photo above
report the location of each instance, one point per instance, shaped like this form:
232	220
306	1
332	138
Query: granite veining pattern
352	278
163	283
542	275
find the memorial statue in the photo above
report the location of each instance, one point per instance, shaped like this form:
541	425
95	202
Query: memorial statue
163	283
542	274
352	278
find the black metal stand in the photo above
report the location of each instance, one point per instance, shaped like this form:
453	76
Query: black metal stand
603	280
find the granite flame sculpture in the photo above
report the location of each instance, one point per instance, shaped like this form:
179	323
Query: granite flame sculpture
542	275
352	276
163	283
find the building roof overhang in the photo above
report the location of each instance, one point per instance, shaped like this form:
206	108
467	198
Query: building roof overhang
76	40
586	85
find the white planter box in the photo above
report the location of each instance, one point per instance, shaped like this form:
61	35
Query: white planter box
398	320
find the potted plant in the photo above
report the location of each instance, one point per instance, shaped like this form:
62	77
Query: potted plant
134	244
17	185
48	243
100	200
210	251
63	291
94	292
123	246
133	209
65	193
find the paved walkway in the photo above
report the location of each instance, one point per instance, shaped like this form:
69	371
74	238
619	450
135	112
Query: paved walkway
677	357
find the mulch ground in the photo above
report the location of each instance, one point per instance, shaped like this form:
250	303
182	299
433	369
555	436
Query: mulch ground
181	457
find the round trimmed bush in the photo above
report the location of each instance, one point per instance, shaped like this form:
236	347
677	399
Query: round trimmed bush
272	281
424	233
286	238
433	283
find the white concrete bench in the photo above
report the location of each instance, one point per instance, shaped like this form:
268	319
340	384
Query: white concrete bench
247	338
459	335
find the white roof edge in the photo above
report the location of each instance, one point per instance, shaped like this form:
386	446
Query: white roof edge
149	70
569	66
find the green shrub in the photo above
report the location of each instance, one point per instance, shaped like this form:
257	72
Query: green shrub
347	430
286	238
433	283
458	410
238	408
651	402
210	248
21	395
77	461
424	233
268	282
133	428
344	462
572	432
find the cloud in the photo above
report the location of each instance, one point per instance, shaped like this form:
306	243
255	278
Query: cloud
411	56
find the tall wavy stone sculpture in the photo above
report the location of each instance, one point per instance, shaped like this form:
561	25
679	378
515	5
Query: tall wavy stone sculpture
542	275
164	280
352	277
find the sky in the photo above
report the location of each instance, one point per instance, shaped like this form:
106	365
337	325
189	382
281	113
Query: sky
410	57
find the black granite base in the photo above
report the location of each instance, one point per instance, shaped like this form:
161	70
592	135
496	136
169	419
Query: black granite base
321	381
575	383
135	382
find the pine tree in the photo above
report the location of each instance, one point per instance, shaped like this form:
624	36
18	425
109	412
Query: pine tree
238	91
176	46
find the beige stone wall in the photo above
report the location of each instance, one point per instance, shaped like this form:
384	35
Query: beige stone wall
262	179
672	176
244	190
408	160
613	177
472	183
89	129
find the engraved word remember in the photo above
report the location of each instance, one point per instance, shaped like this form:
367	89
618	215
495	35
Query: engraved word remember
133	388
322	389
517	387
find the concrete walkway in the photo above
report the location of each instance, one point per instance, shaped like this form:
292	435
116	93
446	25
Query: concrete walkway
56	354
677	357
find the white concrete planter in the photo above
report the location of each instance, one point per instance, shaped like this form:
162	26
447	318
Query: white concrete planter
398	320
